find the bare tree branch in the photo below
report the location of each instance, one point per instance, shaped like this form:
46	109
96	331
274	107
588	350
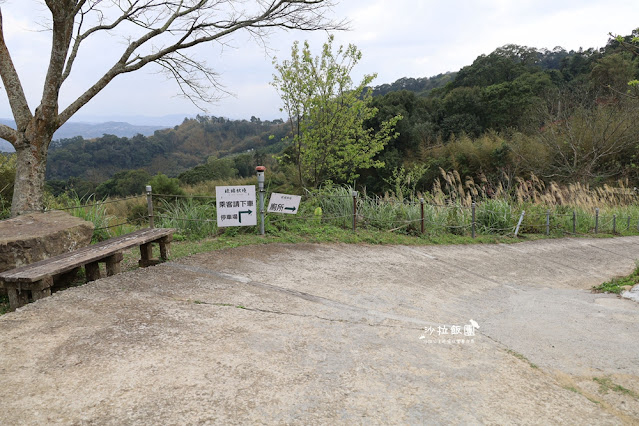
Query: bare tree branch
191	23
12	85
81	36
8	134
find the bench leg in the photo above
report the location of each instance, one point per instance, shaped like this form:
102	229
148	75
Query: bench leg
17	298
165	245
42	288
92	271
37	290
113	264
146	255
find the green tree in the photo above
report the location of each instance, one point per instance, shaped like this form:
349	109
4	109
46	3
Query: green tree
629	44
123	184
327	112
613	72
162	184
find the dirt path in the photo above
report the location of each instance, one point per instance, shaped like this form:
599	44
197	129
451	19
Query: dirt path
335	334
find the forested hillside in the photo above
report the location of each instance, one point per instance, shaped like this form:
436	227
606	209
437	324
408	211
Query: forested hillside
565	116
170	151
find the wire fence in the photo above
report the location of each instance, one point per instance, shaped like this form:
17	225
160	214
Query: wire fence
195	216
413	217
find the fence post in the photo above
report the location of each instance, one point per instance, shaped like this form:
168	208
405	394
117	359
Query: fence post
354	193
260	182
421	202
521	219
628	224
574	222
614	223
547	222
149	205
596	220
472	209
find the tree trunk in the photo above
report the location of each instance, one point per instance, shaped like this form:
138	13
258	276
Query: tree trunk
30	174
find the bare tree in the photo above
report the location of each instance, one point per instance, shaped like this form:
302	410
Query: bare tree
159	32
584	135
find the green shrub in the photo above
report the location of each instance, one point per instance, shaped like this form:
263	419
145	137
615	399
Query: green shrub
162	184
138	215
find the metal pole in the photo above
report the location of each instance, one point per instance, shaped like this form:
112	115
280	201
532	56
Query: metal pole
547	222
149	205
521	219
614	223
354	193
628	224
260	182
574	222
421	202
596	220
472	227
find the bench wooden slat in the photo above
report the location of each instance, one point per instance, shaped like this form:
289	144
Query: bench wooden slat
68	261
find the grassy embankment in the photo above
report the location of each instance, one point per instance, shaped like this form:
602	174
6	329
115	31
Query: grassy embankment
326	216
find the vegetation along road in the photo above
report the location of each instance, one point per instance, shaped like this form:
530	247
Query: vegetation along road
335	334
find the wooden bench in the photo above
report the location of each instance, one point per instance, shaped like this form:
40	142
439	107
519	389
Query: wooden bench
35	280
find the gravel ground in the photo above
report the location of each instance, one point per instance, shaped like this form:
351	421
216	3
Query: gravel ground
335	334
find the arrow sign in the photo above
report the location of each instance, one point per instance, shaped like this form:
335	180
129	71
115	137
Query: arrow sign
284	203
235	205
244	212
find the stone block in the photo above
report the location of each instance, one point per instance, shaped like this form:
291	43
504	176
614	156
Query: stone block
37	236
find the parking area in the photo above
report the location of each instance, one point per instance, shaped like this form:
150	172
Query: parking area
335	334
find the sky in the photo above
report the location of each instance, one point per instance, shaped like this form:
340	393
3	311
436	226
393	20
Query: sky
397	38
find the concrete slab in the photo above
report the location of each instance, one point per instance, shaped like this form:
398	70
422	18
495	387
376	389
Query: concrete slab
335	334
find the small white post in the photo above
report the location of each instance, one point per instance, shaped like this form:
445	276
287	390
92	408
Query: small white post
260	182
521	219
149	205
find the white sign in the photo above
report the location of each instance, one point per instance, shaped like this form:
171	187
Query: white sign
284	203
235	205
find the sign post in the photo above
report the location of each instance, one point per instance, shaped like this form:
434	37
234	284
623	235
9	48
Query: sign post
235	205
260	182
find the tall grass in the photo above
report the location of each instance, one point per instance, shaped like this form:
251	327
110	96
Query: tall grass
498	207
192	218
94	211
390	213
495	217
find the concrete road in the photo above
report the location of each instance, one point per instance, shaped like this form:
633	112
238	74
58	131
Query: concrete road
335	334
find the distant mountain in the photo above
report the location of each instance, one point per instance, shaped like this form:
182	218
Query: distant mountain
93	130
136	120
117	128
